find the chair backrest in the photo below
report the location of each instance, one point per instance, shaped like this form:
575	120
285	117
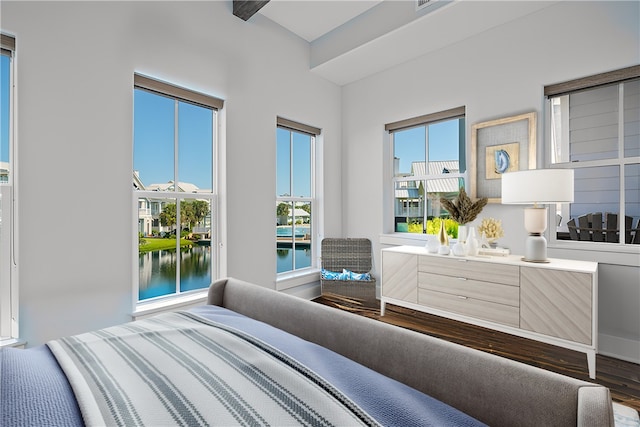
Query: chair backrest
592	227
346	253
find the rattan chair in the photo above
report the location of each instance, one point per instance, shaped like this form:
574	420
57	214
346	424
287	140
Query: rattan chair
353	254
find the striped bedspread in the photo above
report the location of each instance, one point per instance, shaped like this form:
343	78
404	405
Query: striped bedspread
182	369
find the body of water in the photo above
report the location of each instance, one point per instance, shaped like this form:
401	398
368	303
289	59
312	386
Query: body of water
157	271
285	256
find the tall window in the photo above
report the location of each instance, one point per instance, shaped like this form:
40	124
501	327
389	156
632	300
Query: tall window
295	195
595	130
428	155
8	280
174	188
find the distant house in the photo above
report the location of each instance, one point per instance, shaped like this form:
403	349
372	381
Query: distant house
150	208
410	195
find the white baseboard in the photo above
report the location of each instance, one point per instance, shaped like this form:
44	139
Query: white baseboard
620	348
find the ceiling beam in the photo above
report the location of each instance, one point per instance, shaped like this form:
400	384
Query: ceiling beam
245	9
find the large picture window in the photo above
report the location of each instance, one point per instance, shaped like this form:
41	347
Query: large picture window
428	157
8	266
174	188
295	195
595	130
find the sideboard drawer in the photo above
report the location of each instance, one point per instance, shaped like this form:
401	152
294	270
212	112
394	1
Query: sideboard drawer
491	311
460	286
477	270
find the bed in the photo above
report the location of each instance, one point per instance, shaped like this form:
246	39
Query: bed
254	356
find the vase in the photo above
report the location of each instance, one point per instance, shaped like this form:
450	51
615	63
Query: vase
462	233
459	249
472	242
442	235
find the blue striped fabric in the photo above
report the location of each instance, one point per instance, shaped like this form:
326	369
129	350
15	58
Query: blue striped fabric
176	369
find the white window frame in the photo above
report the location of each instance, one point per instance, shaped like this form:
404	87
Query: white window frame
297	277
9	316
391	235
617	77
152	305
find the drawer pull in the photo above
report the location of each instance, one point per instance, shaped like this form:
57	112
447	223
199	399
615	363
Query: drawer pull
462	278
461	296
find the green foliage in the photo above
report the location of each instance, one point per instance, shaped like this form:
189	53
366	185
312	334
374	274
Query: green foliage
169	215
191	213
450	226
156	244
414	227
282	209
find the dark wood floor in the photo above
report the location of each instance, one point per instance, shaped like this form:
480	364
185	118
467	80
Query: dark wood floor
622	378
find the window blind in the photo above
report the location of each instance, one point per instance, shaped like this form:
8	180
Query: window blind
299	127
163	88
7	44
454	113
601	79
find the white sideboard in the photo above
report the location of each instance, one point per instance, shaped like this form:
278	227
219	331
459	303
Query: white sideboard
554	302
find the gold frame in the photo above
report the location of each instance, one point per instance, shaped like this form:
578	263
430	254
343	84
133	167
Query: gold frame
501	131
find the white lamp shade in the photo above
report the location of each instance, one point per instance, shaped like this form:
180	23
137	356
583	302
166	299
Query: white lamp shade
537	186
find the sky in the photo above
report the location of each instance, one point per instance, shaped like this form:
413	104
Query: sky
301	147
154	129
409	145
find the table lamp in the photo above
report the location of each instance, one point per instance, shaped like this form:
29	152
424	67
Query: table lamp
537	186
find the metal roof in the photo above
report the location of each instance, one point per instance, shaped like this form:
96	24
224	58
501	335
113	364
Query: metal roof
409	189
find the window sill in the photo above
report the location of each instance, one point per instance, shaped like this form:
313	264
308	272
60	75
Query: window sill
297	278
170	304
412	239
12	342
605	253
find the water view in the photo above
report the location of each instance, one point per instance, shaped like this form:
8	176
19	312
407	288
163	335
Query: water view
302	254
157	271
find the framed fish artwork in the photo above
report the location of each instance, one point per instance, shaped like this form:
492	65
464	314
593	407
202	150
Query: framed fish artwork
500	146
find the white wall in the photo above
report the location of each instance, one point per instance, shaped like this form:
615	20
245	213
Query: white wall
498	73
76	62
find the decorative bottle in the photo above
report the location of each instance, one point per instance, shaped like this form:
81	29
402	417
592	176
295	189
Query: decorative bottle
442	235
472	242
443	239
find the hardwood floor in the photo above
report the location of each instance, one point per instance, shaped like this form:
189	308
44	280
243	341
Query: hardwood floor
621	377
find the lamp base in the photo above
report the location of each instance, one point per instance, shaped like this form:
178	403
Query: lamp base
545	261
535	248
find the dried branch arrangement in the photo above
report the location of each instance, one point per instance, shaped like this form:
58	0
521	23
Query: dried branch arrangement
462	209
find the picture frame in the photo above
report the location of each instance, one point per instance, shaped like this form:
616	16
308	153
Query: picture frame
500	146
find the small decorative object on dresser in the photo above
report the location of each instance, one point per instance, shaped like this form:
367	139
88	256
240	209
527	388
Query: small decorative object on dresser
472	245
462	209
443	238
491	230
